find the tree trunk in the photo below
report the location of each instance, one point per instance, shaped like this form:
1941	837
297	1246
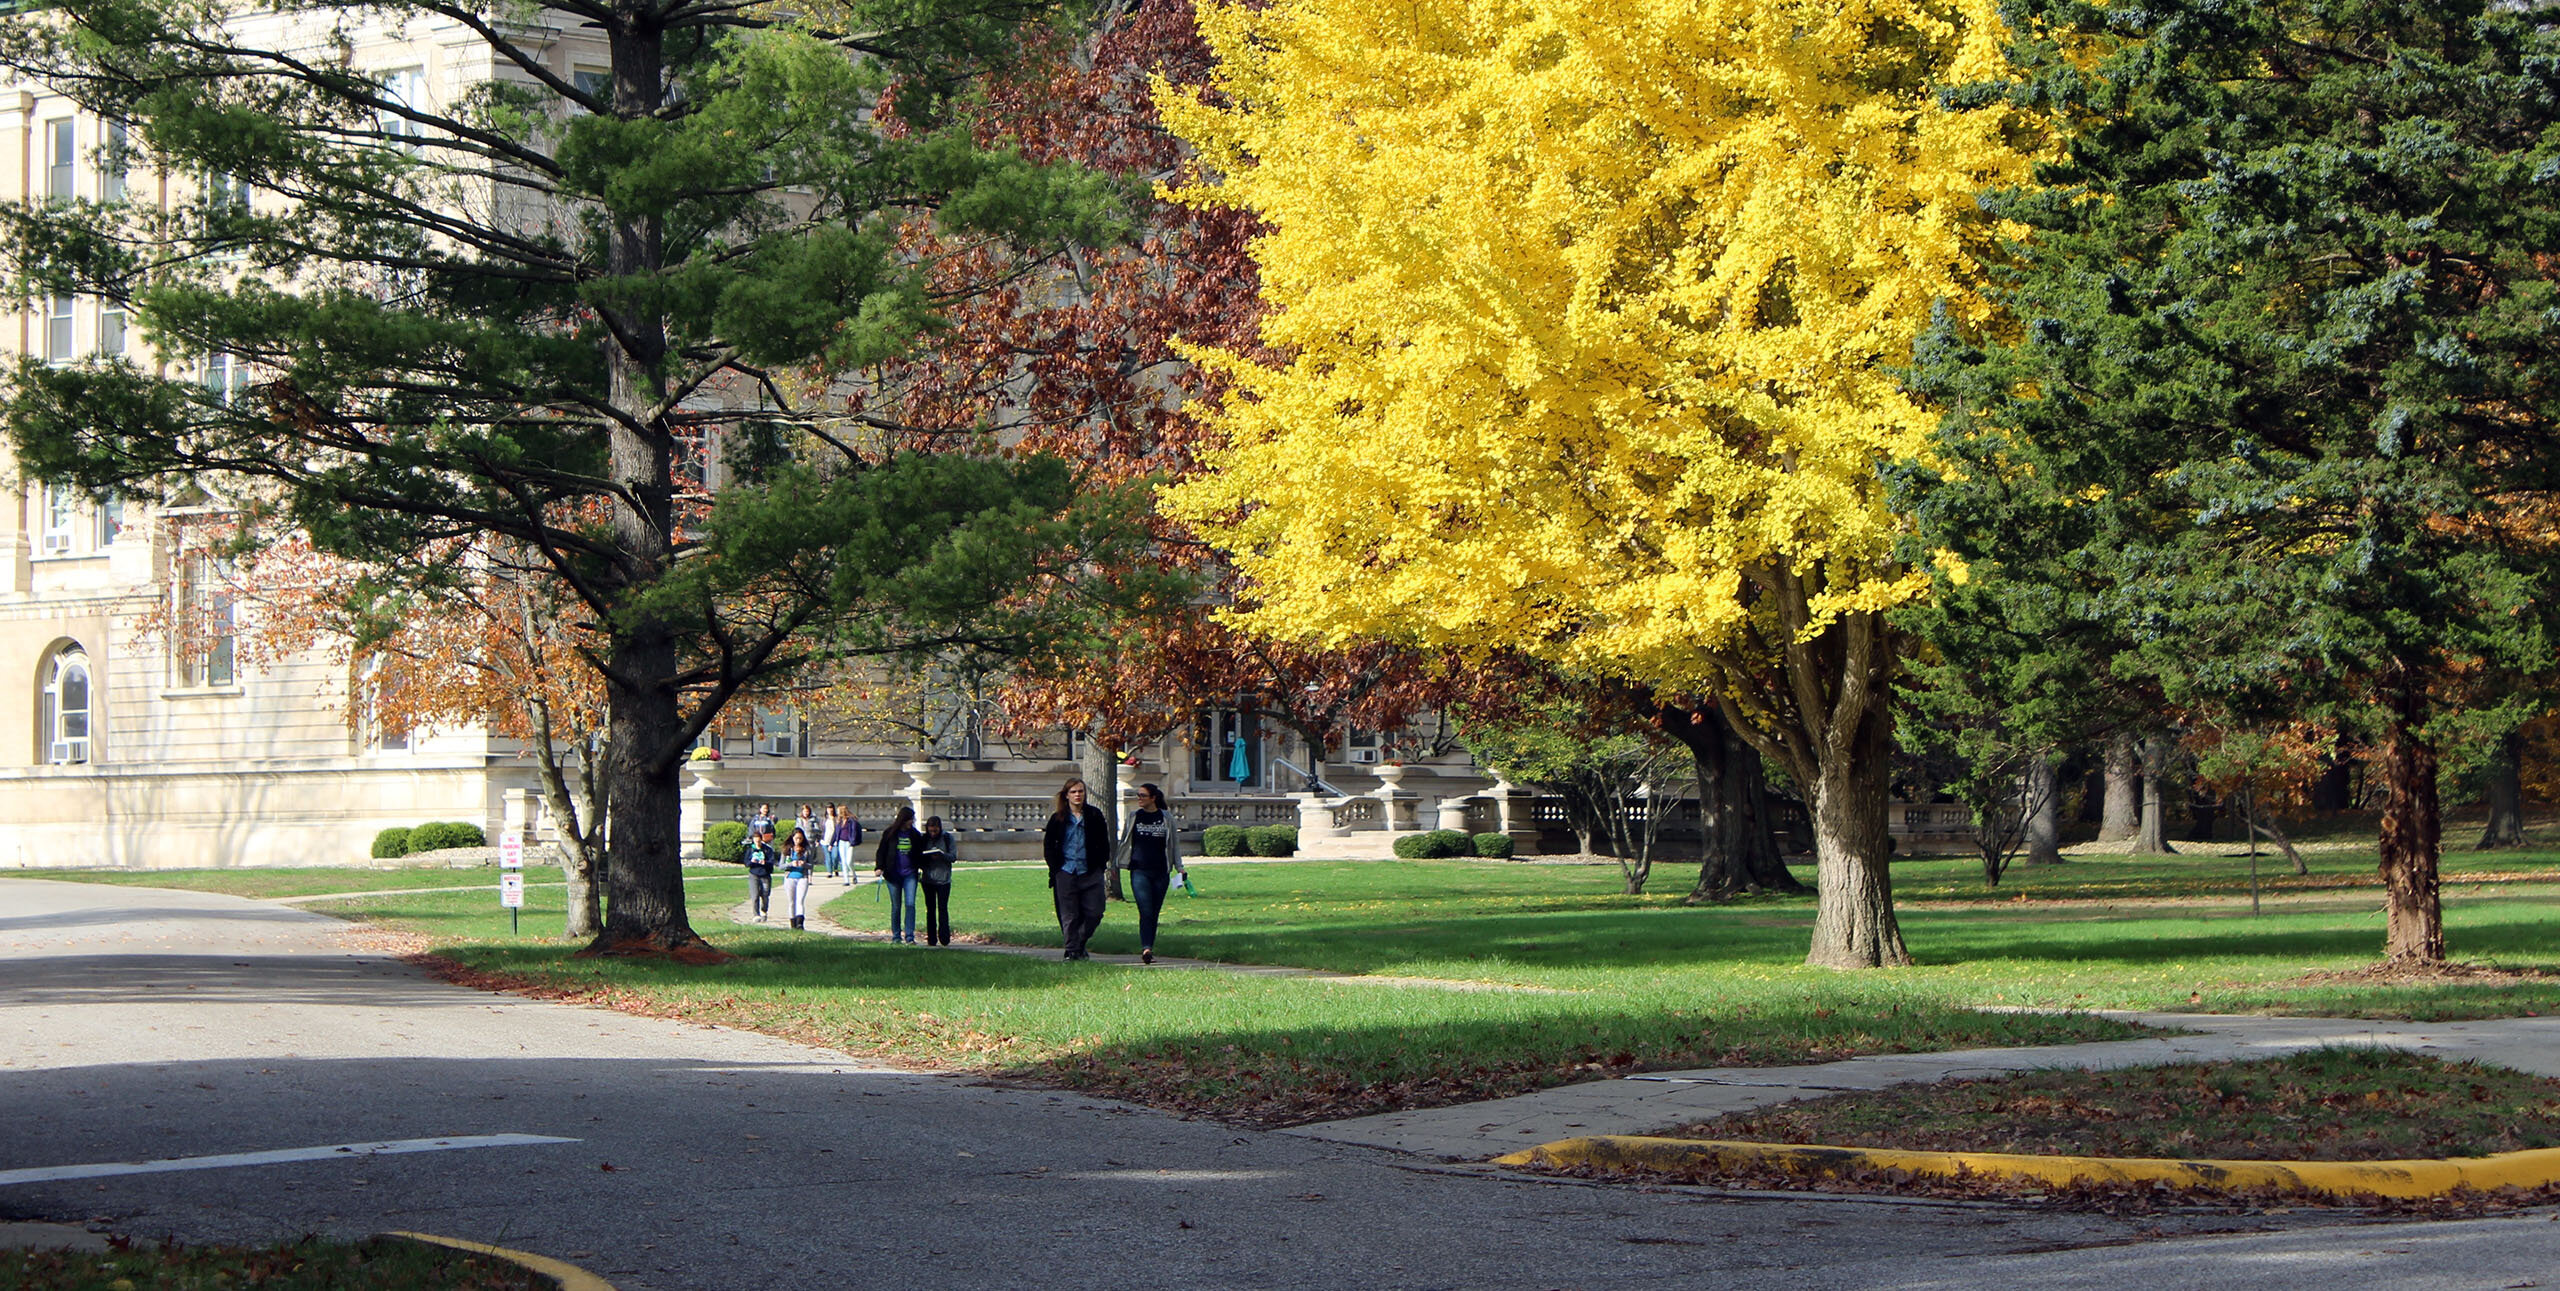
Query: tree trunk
1099	768
644	717
578	852
2124	779
1738	844
2412	833
2506	794
644	874
2152	839
1853	922
2274	831
2044	813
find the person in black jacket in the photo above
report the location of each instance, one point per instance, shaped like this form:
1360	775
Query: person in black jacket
1077	845
896	861
759	855
933	880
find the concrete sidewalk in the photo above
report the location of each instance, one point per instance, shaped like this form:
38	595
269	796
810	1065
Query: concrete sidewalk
1656	1101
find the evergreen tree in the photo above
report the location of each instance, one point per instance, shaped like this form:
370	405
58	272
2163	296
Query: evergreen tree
2282	355
520	309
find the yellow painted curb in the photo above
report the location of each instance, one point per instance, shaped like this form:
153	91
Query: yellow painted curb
2535	1168
569	1276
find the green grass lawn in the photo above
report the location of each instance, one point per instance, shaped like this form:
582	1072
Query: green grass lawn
1618	983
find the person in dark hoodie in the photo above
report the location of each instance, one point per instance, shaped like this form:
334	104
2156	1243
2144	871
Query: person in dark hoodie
933	880
759	855
1077	845
896	861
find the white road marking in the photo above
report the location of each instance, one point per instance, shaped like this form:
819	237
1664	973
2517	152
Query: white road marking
327	1152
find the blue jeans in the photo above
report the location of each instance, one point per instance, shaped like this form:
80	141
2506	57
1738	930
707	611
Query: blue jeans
1148	891
902	909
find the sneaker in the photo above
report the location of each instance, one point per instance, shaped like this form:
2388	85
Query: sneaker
1146	955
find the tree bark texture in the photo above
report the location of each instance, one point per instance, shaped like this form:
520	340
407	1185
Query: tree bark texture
1853	922
2122	816
580	831
2152	838
2506	794
2044	813
1738	840
2412	834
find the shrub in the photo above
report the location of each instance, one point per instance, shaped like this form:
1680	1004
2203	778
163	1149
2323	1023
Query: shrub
1273	840
1497	846
392	842
437	835
721	839
1223	840
1433	845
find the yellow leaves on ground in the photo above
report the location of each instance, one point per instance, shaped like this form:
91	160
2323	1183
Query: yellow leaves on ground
1585	307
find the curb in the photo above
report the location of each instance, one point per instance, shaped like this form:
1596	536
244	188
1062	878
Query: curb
2534	1168
569	1276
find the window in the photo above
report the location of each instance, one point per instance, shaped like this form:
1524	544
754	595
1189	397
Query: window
778	733
379	730
63	717
110	327
208	629
111	167
407	87
110	519
57	329
226	190
226	376
61	509
594	83
61	152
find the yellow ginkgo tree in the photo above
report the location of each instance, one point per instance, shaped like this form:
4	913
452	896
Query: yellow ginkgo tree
1587	312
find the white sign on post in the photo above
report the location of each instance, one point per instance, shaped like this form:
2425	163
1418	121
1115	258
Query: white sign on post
511	890
511	850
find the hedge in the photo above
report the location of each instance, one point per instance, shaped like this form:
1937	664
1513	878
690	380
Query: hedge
1273	840
392	842
721	839
1497	846
1224	840
1434	844
437	835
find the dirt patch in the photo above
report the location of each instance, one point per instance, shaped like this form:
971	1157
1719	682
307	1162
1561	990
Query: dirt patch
2407	973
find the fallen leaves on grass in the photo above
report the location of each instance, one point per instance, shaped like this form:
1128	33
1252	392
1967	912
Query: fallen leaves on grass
2326	1105
2392	972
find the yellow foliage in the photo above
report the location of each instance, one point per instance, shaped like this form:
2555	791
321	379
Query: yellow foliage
1586	308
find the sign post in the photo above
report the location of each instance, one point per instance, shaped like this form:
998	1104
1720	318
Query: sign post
511	878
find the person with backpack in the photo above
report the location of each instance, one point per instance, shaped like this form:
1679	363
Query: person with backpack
845	836
759	856
799	858
1151	852
933	880
896	861
1077	846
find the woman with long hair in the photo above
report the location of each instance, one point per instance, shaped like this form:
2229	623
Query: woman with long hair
933	880
1151	853
799	858
1076	845
896	861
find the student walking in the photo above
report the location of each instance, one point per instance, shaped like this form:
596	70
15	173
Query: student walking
759	856
1151	852
1076	845
847	836
799	857
933	880
896	861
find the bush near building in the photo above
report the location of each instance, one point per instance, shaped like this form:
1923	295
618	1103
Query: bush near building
1434	845
1273	840
1496	846
392	842
437	835
1225	840
721	839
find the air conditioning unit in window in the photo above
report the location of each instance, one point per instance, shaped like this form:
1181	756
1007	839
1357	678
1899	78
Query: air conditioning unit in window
67	752
56	544
1364	757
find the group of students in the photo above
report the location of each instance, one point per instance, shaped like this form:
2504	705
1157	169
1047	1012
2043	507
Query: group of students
916	865
913	862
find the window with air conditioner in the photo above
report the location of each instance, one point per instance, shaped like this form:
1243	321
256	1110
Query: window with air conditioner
61	513
64	716
406	86
778	733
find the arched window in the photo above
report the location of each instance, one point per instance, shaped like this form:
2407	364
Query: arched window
65	712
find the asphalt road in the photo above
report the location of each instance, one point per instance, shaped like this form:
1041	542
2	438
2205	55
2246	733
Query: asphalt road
142	1024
